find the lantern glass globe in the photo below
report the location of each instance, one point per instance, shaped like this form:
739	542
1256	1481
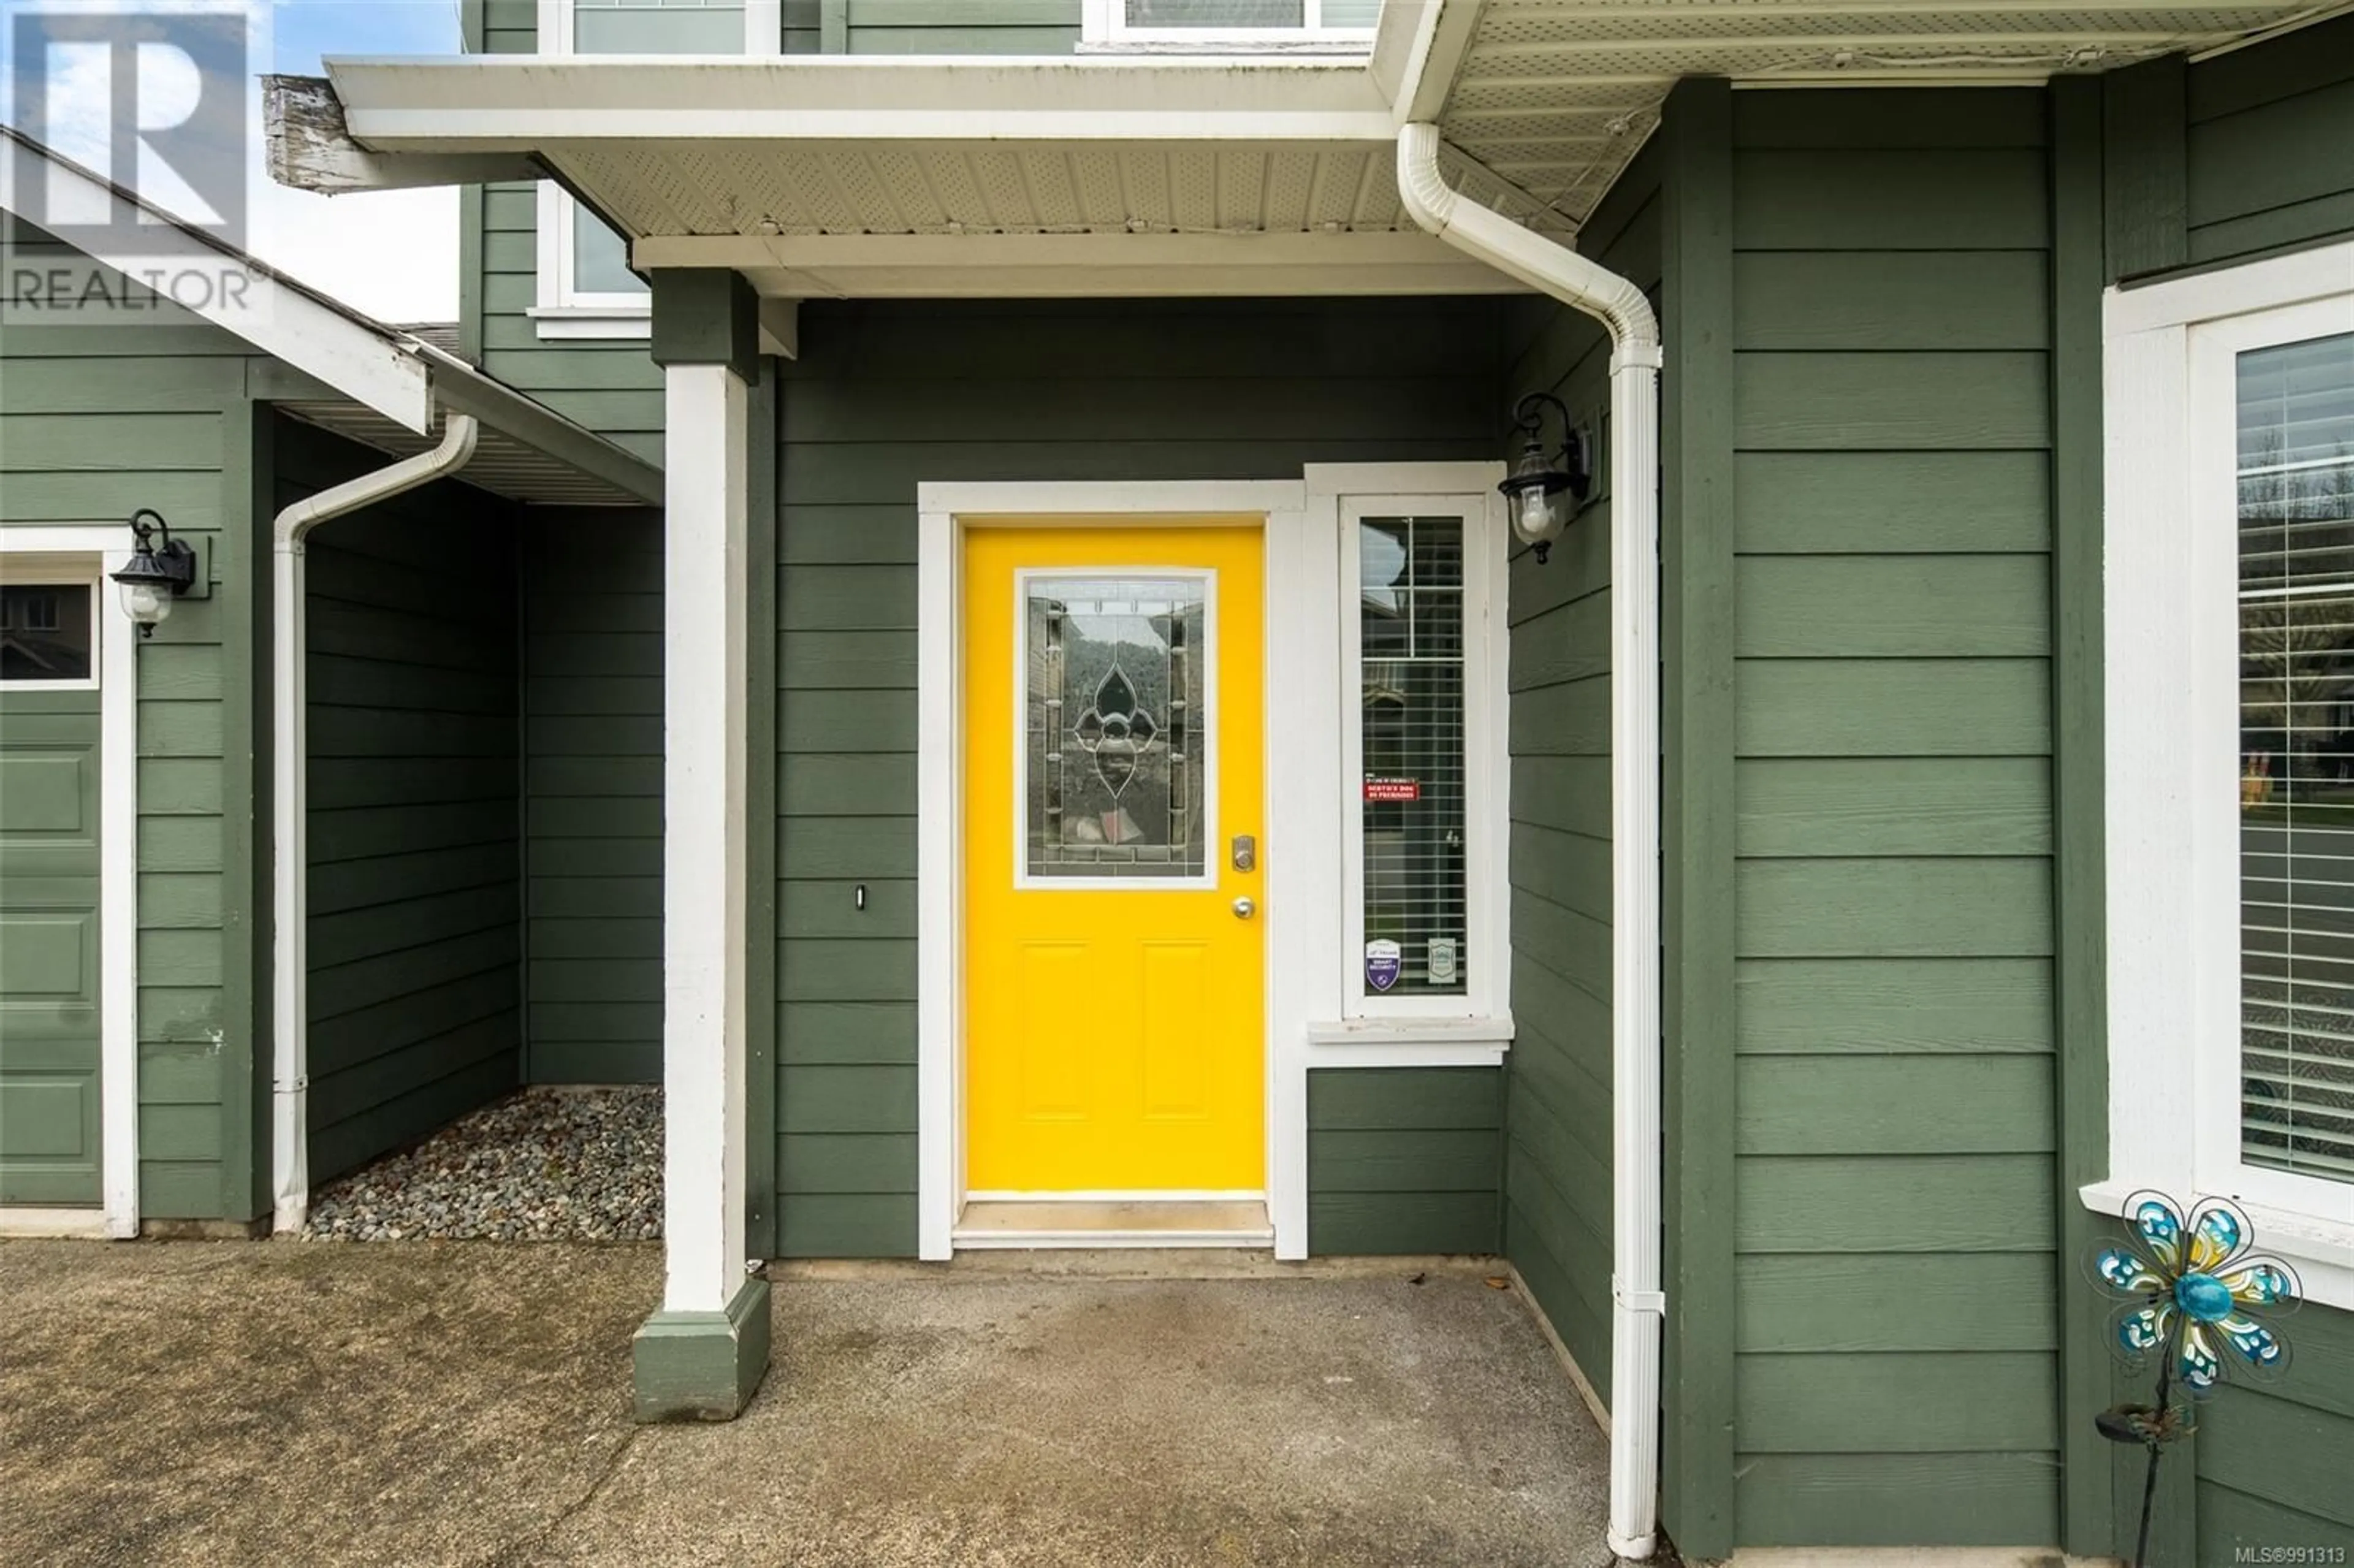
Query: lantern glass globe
149	604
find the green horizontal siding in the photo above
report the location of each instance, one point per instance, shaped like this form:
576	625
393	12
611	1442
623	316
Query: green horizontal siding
96	422
886	395
1895	1117
592	761
2269	148
1404	1159
415	914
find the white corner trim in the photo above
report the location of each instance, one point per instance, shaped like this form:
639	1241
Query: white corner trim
97	550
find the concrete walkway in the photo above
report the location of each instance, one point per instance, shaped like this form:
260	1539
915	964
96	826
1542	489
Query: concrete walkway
468	1404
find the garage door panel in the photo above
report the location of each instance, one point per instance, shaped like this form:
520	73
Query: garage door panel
50	947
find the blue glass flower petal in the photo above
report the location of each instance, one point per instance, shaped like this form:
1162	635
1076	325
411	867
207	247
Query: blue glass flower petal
2142	1330
2258	1345
2261	1282
2160	1225
2122	1268
2218	1235
2196	1364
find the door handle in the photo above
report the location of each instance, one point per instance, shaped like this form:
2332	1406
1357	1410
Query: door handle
1245	908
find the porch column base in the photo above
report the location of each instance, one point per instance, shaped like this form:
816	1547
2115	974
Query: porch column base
702	1366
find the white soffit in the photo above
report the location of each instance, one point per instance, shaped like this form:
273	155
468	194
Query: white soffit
921	177
1001	188
1555	96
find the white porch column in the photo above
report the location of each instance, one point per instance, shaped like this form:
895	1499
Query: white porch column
704	826
702	1353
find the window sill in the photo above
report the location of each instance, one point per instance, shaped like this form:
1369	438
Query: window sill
1409	1042
2322	1251
607	322
1346	49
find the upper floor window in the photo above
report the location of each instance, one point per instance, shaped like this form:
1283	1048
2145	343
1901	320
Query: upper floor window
1212	23
586	288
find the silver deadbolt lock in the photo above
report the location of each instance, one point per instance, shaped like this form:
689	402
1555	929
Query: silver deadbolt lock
1246	856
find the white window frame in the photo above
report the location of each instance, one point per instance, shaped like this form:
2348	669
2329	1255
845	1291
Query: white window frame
1105	22
561	311
2171	669
1213	847
1484	563
70	579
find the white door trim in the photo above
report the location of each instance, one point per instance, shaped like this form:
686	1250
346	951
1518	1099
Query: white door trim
945	512
97	549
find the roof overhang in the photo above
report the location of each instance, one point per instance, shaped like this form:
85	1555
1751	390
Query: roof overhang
1096	173
377	384
859	176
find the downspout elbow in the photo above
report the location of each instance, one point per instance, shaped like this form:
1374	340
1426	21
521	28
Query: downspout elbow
1543	264
460	432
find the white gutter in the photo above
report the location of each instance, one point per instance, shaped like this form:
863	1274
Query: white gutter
1639	1306
289	758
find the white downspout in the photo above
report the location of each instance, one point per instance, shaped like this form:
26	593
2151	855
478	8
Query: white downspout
289	757
1638	1304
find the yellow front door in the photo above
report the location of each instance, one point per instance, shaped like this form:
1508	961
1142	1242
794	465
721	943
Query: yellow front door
1114	781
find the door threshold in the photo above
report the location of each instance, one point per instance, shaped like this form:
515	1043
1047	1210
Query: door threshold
1112	1222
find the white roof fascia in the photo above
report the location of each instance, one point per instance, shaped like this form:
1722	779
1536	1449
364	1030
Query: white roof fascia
275	314
403	378
523	102
463	389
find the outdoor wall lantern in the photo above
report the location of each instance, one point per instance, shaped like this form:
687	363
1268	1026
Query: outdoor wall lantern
1541	493
161	570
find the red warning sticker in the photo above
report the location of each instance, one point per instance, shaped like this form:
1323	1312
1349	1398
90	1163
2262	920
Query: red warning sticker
1392	789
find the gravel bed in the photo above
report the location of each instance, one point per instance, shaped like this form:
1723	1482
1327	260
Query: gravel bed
542	1165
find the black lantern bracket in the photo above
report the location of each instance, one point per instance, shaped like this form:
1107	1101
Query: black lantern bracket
175	554
165	568
1575	458
1544	494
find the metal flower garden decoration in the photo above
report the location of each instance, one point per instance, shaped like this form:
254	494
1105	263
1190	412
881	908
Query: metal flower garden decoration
2197	1300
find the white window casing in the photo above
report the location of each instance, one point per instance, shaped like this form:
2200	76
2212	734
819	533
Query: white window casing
2174	744
1484	768
1349	1023
561	308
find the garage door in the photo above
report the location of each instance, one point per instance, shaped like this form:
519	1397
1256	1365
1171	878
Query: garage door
49	895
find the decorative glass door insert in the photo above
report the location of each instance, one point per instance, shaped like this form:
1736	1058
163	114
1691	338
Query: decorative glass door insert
1116	681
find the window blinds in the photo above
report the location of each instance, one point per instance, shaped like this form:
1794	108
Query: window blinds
2296	764
1410	638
